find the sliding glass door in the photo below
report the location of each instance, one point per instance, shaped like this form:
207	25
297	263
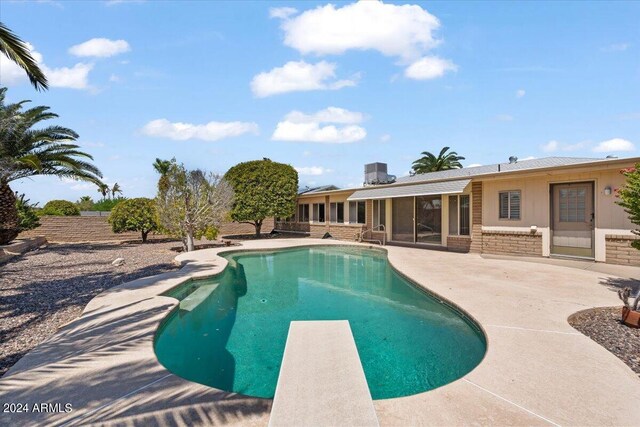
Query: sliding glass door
417	219
402	220
429	219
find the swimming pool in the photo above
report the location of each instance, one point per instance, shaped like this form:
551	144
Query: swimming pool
229	332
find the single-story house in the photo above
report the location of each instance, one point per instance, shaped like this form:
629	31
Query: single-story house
554	206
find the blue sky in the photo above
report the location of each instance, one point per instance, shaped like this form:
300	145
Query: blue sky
328	88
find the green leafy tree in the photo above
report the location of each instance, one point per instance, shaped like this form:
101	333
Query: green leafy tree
629	195
263	189
85	203
60	208
18	52
26	152
431	163
135	215
27	217
193	204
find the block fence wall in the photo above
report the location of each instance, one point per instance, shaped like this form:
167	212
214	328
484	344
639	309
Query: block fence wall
97	229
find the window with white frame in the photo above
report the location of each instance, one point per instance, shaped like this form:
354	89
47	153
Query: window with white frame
509	204
459	215
318	212
357	212
303	212
336	212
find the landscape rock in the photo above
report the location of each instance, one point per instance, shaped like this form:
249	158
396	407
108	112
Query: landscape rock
118	262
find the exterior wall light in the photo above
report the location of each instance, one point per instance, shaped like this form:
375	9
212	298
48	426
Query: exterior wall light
607	191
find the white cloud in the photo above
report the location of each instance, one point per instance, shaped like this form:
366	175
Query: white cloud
76	77
405	32
211	131
114	78
312	170
100	47
328	115
385	137
298	76
616	47
615	144
554	145
504	117
116	2
429	67
520	93
282	12
550	146
298	126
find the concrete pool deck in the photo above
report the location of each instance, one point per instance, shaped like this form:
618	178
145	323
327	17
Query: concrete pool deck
537	370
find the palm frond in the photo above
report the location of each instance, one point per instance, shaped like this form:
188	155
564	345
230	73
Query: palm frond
18	51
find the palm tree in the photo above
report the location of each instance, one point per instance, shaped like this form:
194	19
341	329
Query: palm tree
25	152
430	163
162	167
115	190
18	51
103	189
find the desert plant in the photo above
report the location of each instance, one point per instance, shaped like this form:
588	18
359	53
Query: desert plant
444	161
60	208
25	152
135	215
263	189
193	204
19	52
27	217
625	294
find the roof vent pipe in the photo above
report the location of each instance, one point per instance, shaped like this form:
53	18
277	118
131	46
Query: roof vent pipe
513	159
611	157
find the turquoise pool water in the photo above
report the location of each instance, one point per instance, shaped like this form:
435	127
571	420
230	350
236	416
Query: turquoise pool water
230	331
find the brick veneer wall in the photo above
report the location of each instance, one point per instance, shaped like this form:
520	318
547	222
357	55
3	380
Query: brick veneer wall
476	245
98	229
512	243
620	251
300	227
459	243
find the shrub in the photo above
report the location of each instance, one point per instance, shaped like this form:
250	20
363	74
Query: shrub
134	215
60	208
105	205
27	217
85	203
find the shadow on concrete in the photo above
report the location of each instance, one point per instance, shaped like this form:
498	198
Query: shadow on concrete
615	283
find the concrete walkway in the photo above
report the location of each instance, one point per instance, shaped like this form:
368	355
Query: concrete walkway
537	370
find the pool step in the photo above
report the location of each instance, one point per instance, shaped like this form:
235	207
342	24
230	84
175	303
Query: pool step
321	380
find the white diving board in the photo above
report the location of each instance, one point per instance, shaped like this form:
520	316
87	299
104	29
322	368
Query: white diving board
321	381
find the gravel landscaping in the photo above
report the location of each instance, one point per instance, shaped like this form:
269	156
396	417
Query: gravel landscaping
47	288
603	325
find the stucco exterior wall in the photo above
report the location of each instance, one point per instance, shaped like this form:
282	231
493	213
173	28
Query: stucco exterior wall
536	200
